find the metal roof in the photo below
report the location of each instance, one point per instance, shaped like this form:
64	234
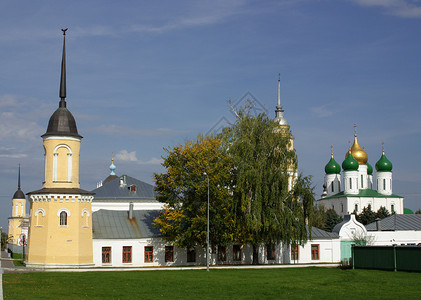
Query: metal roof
322	234
362	193
118	190
115	224
397	222
61	191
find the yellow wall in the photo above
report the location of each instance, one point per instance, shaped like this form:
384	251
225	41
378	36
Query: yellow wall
15	221
62	165
51	243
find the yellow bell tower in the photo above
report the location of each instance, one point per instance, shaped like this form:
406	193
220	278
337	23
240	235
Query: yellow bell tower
60	233
284	130
18	215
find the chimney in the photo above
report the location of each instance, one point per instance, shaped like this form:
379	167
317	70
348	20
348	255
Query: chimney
131	210
378	224
123	181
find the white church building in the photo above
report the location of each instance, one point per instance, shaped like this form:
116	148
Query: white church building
353	191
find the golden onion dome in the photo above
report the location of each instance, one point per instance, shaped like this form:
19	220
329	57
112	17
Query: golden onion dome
357	152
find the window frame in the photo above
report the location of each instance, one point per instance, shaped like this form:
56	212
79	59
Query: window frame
315	251
236	253
295	252
127	255
106	255
148	254
270	252
63	218
222	253
169	254
191	255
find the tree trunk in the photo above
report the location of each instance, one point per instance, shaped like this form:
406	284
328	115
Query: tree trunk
255	254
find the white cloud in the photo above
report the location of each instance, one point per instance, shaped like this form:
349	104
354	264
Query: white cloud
14	126
125	155
400	8
321	111
152	161
9	101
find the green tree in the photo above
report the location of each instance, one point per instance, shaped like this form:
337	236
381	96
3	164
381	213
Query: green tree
332	219
418	211
382	213
319	217
4	240
184	189
265	210
366	216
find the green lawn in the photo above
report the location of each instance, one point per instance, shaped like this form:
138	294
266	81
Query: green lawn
301	283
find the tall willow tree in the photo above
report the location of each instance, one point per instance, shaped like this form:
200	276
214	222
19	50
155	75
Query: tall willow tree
184	189
265	210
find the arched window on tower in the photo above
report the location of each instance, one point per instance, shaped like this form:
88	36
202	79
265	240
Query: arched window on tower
62	163
63	218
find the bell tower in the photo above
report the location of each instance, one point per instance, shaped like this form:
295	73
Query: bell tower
60	232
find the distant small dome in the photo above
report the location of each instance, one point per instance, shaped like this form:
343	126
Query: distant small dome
350	163
62	123
383	164
332	167
369	169
19	195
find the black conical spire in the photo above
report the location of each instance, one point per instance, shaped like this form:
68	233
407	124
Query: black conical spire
19	178
63	73
19	194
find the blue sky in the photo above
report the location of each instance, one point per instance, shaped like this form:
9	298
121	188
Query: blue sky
146	75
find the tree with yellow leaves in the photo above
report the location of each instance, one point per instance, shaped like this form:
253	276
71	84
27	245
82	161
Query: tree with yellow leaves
184	189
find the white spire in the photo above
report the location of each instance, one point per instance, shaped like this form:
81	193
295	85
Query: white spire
279	118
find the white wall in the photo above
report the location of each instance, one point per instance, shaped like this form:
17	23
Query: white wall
125	205
389	238
329	251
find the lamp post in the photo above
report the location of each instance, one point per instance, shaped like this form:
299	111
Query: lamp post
207	231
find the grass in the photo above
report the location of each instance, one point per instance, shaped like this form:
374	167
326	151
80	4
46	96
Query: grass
18	263
293	283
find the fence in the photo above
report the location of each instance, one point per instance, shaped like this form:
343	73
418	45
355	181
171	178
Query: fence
392	258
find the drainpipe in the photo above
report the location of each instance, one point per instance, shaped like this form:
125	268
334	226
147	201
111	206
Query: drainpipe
131	210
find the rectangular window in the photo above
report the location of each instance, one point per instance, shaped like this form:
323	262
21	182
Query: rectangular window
332	186
148	254
106	255
127	254
315	252
356	208
350	183
342	207
384	184
392	208
169	253
236	252
362	181
339	186
191	255
222	253
294	252
270	252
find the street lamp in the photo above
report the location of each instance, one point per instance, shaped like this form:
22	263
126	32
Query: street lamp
207	231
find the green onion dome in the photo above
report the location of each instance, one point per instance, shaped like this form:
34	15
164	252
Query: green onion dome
383	164
332	167
350	163
369	169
